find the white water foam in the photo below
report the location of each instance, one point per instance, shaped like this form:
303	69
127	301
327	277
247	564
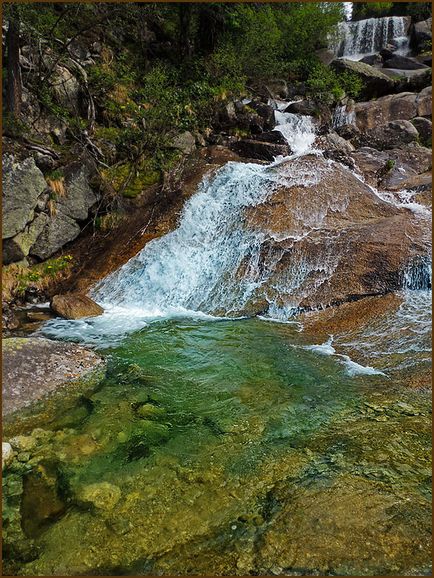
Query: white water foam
352	368
298	130
211	263
405	200
324	348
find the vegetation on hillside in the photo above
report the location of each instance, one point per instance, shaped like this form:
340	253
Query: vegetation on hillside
417	10
164	68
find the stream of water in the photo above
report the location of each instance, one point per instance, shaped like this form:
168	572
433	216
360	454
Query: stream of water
220	444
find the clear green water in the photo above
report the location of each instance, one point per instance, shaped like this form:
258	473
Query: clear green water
226	448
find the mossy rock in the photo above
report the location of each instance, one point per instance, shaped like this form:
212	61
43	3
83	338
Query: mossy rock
132	180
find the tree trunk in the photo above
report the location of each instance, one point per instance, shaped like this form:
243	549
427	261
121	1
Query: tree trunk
185	13
14	90
211	23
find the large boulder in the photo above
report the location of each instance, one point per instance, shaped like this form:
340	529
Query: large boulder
389	136
34	367
75	306
66	89
255	149
424	102
375	83
306	107
403	63
332	240
18	247
393	169
185	142
272	136
424	128
265	112
71	206
421	34
23	183
277	88
402	106
59	230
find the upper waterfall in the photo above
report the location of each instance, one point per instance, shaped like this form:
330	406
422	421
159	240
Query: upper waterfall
356	39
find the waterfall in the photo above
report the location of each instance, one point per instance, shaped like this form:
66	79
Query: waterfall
357	39
195	267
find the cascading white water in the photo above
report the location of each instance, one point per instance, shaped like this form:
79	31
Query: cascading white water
343	116
194	267
298	130
354	40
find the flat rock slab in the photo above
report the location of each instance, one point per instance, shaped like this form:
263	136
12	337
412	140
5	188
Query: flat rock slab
34	367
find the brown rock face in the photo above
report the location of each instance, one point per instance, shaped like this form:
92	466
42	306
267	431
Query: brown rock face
402	106
333	239
391	135
394	169
75	306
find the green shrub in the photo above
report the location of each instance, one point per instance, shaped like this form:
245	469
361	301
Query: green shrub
328	86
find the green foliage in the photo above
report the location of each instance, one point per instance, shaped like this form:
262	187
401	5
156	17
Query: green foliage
39	275
328	86
272	40
130	179
371	9
390	163
351	83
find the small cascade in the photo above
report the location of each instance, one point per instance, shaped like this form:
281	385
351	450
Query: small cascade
297	129
343	116
418	275
354	40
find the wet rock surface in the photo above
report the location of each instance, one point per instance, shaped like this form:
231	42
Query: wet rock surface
347	253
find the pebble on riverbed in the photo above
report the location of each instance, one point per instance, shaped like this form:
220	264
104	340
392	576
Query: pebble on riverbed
7	454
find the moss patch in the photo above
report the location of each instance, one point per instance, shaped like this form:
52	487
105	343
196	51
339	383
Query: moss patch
130	180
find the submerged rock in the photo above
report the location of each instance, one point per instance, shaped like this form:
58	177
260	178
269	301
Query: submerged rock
75	306
34	367
41	502
103	496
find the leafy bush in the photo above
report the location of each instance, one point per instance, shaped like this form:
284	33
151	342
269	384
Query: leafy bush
328	86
